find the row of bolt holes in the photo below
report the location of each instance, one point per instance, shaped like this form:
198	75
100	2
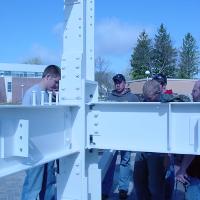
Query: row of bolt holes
77	76
20	137
91	9
96	124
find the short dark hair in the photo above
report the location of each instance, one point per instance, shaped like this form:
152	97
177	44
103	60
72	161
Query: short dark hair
161	78
51	70
118	78
150	88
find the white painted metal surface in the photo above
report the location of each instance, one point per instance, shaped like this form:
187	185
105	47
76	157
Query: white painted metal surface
128	126
78	125
31	135
150	127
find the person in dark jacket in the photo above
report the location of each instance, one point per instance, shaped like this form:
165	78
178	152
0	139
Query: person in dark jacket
119	94
189	171
149	169
167	96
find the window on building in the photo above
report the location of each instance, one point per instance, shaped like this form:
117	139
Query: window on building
2	73
25	74
9	87
7	73
16	74
38	74
30	74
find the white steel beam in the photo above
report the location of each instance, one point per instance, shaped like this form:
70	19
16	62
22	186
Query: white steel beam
74	130
149	127
32	135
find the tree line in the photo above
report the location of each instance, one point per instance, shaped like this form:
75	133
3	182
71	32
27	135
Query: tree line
158	55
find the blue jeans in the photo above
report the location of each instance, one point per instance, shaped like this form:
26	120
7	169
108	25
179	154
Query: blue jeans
124	170
170	179
39	181
149	176
193	189
124	173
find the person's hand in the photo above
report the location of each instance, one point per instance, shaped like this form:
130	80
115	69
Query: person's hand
182	177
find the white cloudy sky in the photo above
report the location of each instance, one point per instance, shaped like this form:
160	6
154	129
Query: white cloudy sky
115	39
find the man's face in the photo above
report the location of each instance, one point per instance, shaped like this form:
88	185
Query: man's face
52	82
163	88
120	86
196	92
155	96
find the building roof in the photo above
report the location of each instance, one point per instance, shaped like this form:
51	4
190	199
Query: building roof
22	67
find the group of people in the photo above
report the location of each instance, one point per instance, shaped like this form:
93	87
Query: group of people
153	173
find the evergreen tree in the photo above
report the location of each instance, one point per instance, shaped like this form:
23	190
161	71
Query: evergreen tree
141	57
164	55
189	58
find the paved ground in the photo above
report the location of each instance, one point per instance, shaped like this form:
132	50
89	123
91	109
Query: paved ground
10	187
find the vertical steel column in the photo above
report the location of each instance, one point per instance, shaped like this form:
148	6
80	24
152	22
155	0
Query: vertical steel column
90	69
73	62
77	69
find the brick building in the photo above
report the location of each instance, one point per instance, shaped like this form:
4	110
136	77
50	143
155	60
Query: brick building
179	86
15	79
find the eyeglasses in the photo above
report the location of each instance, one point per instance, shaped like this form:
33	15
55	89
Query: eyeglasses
157	93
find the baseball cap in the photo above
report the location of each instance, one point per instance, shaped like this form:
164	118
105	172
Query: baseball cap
161	78
118	78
